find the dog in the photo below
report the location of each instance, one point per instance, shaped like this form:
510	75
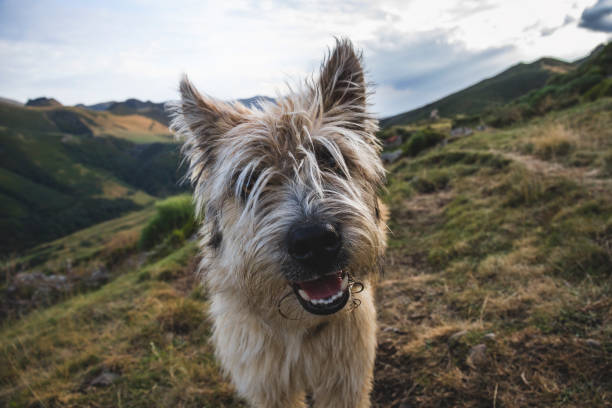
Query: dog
293	234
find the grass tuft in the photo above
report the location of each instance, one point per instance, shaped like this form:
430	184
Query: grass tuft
173	222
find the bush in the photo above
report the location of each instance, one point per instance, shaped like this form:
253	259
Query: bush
604	88
466	121
182	316
421	140
431	181
175	217
510	114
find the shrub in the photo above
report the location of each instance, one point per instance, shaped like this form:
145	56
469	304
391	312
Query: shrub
510	114
604	88
421	140
175	217
431	181
466	121
182	316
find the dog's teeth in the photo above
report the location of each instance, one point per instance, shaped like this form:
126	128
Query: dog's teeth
325	301
303	294
345	282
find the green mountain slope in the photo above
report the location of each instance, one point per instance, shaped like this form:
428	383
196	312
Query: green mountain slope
62	169
591	80
134	106
488	93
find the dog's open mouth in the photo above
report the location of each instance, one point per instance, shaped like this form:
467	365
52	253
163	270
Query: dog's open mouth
325	295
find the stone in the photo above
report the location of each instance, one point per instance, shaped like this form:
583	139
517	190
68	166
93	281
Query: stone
105	379
592	343
456	336
489	336
99	276
477	357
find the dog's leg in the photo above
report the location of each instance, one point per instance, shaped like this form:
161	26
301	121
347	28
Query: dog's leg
289	403
262	384
346	359
264	390
253	358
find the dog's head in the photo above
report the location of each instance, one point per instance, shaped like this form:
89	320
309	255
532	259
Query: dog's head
288	191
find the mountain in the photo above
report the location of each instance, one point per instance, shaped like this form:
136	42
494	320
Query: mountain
65	168
134	106
515	91
97	107
591	55
10	101
42	101
154	110
590	80
491	92
255	101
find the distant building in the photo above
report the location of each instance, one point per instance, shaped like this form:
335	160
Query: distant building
434	114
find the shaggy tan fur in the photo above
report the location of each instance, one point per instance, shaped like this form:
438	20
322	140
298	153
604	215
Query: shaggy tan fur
311	155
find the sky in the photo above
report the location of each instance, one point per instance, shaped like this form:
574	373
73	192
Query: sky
415	51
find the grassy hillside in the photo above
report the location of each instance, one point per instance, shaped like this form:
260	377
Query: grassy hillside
496	290
63	169
591	80
147	109
488	93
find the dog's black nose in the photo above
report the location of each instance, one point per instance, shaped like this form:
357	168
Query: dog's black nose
314	245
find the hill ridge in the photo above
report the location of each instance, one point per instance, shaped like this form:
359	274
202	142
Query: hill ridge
494	91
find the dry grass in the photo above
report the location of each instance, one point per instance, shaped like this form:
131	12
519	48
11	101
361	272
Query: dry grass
136	128
553	140
147	334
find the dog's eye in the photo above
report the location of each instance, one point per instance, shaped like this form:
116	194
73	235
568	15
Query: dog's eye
247	186
327	161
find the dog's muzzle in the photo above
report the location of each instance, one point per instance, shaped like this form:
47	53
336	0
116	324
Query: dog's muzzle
316	247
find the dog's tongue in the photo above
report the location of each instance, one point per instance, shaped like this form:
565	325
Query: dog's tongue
322	288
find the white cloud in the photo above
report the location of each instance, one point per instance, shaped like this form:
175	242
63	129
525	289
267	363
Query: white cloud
416	50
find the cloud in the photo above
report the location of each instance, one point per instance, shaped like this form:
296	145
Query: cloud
92	51
412	69
598	17
547	31
468	8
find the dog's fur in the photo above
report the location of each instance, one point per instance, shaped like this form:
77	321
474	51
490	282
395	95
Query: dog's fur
311	156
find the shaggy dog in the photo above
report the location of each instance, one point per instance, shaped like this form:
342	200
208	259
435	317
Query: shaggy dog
292	235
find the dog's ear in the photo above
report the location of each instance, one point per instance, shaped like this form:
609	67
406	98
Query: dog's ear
342	84
206	118
202	122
